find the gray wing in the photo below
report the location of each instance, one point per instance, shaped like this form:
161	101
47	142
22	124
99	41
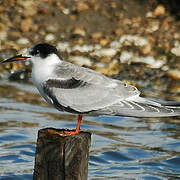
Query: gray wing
82	90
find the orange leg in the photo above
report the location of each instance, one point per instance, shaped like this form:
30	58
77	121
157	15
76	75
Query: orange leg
69	133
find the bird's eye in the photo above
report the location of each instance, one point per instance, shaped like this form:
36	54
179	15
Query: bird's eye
37	52
34	52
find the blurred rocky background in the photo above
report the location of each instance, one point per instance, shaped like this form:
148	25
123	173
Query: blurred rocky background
135	41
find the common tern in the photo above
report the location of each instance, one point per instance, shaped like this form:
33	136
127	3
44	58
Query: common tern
79	90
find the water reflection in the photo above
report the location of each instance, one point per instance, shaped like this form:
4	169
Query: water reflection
121	148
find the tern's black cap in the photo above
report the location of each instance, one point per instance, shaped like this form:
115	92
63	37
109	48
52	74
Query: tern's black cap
43	50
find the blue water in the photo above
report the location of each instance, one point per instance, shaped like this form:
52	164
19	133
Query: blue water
121	147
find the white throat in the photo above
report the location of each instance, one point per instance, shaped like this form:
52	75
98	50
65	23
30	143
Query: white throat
42	69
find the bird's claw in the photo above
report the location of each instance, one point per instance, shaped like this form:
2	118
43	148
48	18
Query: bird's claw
63	133
69	133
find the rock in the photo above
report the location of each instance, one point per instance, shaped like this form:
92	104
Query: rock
104	52
104	41
19	74
129	57
49	37
29	7
174	74
111	69
149	14
153	26
115	44
97	47
176	35
96	37
73	17
159	10
176	50
82	6
105	60
150	61
23	41
146	49
63	46
14	34
133	39
26	25
118	32
174	88
126	56
100	65
2	9
6	53
3	35
79	31
66	11
80	60
12	45
3	32
79	41
83	48
35	28
52	28
126	21
16	66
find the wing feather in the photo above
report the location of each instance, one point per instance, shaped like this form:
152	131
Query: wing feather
80	90
65	84
84	90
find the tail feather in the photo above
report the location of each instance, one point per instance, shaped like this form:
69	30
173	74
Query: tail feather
171	104
142	108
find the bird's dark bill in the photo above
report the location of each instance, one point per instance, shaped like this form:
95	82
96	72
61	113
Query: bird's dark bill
15	58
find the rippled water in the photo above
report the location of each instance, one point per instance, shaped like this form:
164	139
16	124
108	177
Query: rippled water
121	147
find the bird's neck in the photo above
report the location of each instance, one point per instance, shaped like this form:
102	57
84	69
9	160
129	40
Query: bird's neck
43	69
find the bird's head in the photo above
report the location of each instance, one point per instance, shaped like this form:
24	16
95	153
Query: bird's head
35	53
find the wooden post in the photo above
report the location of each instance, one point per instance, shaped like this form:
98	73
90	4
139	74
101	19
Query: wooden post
61	157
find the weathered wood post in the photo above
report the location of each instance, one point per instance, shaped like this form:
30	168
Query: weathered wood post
61	157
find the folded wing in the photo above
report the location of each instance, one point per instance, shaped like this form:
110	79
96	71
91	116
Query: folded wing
84	90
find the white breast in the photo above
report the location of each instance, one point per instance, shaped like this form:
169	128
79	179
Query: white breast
42	70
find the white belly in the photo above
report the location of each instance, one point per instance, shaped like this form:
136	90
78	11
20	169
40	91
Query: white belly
39	77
